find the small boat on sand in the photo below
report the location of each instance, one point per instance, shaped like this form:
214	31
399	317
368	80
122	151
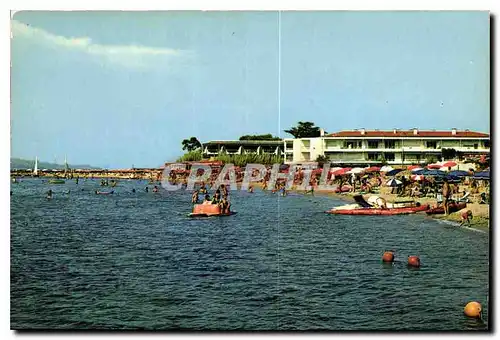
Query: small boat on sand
452	207
362	207
208	210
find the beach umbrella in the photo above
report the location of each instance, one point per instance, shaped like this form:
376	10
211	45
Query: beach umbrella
417	177
372	169
414	170
449	164
482	175
459	173
393	182
437	173
355	171
434	166
419	171
342	171
394	172
386	168
333	170
412	167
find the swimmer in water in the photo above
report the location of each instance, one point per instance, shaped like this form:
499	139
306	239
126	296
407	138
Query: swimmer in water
133	190
155	189
49	194
147	189
250	189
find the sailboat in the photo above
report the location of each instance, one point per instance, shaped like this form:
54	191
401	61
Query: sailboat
35	169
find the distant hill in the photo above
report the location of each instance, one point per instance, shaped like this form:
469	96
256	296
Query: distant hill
17	163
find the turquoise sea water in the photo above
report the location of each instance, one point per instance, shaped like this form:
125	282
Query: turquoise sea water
136	261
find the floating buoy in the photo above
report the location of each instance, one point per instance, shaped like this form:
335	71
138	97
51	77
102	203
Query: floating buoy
473	310
414	261
388	256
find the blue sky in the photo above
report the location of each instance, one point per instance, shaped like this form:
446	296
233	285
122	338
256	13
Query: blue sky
114	89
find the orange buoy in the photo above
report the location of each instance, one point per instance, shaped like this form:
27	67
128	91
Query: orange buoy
388	256
414	261
473	310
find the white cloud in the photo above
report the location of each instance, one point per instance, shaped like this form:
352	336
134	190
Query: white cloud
125	55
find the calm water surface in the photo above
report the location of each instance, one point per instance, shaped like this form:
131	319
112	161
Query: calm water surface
136	261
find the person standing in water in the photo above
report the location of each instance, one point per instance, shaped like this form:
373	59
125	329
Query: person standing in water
147	189
446	196
49	194
466	218
225	205
155	189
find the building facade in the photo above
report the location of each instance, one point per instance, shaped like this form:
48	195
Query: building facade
242	147
367	147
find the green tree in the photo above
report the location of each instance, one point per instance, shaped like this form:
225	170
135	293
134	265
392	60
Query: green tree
448	153
191	156
191	144
259	137
321	160
430	159
304	129
382	159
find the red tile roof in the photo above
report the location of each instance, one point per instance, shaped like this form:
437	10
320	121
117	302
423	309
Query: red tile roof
408	133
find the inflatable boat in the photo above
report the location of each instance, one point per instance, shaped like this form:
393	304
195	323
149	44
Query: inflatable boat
208	210
453	207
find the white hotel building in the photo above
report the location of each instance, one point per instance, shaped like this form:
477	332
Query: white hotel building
365	147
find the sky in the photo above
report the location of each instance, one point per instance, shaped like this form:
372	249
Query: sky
116	89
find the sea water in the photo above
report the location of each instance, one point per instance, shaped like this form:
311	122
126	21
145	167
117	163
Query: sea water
137	261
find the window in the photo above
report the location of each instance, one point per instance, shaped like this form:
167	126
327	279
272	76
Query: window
486	143
431	144
373	144
350	145
373	156
390	144
476	146
389	156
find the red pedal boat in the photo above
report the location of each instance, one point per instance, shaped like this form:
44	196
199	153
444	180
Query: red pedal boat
379	211
208	210
361	207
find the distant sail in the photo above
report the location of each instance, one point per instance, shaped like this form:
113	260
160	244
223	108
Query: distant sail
66	167
35	171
